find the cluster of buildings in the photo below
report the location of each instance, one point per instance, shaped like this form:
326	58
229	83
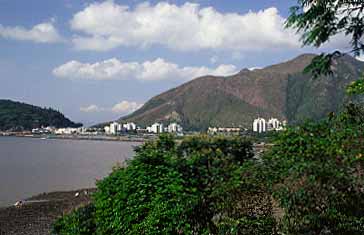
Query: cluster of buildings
70	131
117	128
44	130
260	125
228	130
157	128
65	131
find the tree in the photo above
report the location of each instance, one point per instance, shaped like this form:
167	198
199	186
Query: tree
320	20
315	173
192	186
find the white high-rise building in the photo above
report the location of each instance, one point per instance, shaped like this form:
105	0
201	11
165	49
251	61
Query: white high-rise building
114	128
259	125
130	126
174	128
119	128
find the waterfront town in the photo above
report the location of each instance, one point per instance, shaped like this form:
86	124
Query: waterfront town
115	129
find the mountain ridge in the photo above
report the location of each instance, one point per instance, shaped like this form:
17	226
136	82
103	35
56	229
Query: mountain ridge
279	90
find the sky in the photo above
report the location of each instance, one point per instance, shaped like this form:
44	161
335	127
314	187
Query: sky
96	60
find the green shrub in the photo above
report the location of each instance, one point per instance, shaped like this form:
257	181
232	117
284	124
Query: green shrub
80	222
146	197
186	188
171	189
310	182
315	171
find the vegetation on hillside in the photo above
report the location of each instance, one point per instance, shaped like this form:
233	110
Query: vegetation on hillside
316	173
20	116
318	21
282	91
310	182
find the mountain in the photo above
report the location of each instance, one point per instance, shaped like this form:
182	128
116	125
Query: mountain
280	91
21	116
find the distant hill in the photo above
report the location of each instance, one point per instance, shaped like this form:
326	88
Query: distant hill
281	91
21	116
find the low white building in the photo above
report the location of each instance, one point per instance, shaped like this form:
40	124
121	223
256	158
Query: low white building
215	130
212	130
43	130
68	131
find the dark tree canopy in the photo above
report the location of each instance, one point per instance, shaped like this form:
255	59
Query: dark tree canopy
319	20
18	116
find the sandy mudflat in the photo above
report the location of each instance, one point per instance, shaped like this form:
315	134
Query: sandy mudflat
37	213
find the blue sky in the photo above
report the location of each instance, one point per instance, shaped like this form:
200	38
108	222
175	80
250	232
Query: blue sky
99	60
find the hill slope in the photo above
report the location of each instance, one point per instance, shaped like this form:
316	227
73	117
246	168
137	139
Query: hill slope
281	91
21	116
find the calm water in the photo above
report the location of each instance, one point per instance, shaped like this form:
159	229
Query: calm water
32	166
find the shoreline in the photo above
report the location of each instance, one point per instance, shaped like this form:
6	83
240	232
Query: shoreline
37	213
80	137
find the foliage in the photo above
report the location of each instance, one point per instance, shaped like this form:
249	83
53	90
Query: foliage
316	98
186	188
20	116
321	20
139	198
81	222
311	181
356	87
315	172
321	64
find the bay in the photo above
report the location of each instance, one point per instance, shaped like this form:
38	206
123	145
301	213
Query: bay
29	166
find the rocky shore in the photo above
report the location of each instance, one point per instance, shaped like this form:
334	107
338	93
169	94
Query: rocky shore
35	215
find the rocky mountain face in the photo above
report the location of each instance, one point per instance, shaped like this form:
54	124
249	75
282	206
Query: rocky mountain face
280	91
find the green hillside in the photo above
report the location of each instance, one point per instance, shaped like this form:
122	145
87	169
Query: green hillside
280	91
21	116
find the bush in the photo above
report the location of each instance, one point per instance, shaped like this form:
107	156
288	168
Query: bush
146	197
169	188
315	171
310	182
80	222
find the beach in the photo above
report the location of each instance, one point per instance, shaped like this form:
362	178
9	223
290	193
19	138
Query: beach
36	214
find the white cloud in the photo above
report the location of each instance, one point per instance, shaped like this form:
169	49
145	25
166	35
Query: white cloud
40	33
106	25
91	109
125	107
158	69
